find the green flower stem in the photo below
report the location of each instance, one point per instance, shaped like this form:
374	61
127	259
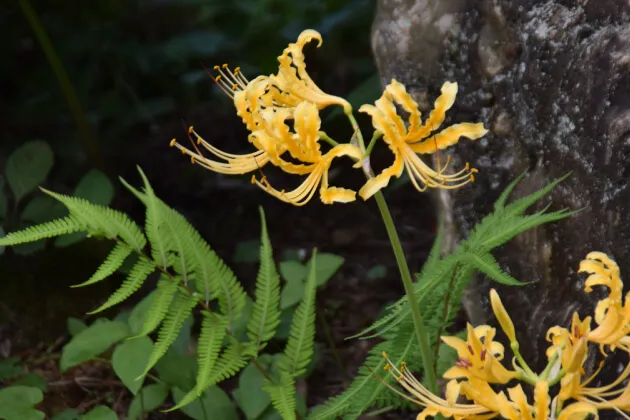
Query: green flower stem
523	364
327	139
421	332
545	374
418	322
86	135
377	135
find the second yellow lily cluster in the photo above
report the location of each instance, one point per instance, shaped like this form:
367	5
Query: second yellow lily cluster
281	111
480	365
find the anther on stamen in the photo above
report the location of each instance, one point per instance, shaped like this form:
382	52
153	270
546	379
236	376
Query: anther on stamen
224	66
253	180
386	367
172	143
235	86
216	67
216	79
192	160
237	70
190	129
384	354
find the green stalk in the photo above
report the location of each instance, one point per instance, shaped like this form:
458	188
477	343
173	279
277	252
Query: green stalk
405	275
86	135
418	321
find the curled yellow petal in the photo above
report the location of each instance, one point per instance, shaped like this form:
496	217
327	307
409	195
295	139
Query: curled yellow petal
502	316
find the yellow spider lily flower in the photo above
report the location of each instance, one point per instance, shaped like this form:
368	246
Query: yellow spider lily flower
572	345
479	357
502	316
612	314
304	146
294	81
407	142
433	404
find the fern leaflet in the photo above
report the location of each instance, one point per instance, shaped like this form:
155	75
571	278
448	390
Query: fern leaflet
299	349
102	220
50	229
265	312
212	335
160	303
138	274
283	396
113	262
230	362
180	309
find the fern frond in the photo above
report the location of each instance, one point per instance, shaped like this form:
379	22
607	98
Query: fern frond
299	349
229	364
138	274
152	220
180	309
102	220
113	262
283	396
213	331
46	230
485	263
160	303
266	310
175	242
500	203
212	335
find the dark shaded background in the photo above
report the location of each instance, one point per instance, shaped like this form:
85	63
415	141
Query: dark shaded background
137	68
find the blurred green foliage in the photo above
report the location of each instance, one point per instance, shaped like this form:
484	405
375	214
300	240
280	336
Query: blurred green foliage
138	66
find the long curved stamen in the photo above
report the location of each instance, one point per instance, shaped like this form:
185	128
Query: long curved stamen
231	77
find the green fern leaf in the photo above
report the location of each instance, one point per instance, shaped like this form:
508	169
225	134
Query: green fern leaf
138	274
113	262
102	220
180	245
283	396
265	312
160	303
213	331
486	264
159	248
180	309
212	334
43	231
229	364
500	203
299	349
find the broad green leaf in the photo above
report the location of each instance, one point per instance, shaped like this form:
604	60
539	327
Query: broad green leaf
377	272
293	270
16	403
67	414
213	404
27	167
129	359
3	201
291	294
182	342
100	412
327	265
91	342
150	398
249	395
247	251
75	325
10	368
96	188
177	370
42	208
284	328
139	313
33	380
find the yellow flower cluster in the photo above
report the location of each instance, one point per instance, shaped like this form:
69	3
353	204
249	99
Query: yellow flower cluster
480	365
281	111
